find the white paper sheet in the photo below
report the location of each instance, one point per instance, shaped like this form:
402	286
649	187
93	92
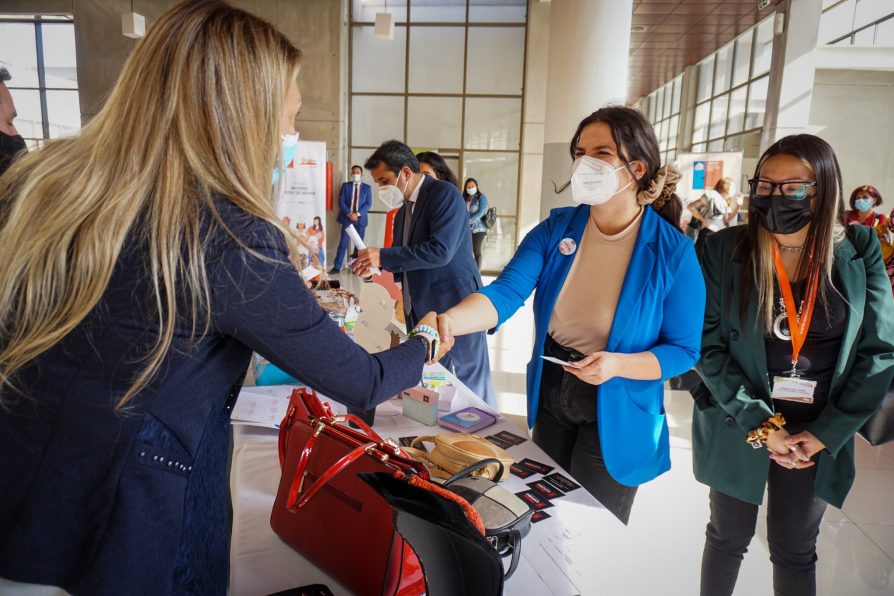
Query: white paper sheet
358	242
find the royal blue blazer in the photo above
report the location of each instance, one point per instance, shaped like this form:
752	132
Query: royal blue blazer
660	310
364	204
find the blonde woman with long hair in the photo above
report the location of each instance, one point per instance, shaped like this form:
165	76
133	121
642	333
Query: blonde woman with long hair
141	262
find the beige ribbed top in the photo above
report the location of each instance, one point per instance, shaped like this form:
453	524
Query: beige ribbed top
584	312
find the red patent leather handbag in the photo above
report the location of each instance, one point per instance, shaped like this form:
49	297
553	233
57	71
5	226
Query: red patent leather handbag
328	514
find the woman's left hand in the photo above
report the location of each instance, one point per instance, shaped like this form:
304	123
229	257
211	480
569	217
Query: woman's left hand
806	442
597	368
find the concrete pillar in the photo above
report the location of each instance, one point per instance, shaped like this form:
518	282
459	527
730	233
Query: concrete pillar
792	71
536	73
588	47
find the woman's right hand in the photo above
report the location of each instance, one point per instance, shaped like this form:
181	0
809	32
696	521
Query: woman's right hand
432	319
784	454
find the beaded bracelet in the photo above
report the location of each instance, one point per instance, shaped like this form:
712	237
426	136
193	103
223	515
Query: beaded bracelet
429	333
757	437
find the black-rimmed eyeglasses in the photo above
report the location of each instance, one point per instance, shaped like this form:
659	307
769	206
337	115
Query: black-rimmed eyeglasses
794	191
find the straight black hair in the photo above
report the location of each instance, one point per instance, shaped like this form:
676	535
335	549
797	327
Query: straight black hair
466	196
395	155
828	214
437	163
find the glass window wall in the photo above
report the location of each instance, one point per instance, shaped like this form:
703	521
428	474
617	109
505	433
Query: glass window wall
453	85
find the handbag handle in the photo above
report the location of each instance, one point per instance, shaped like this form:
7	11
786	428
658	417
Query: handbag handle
322	412
515	541
293	502
297	500
419	440
474	467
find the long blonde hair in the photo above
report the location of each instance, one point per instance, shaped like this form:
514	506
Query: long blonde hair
195	112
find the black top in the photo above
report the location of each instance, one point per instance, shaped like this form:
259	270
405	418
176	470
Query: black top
818	356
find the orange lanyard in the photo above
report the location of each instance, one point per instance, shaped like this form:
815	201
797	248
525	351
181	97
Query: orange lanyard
798	325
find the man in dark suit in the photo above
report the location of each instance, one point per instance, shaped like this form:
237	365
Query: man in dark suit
354	202
431	256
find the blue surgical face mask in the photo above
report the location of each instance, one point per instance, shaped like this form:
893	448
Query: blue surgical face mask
286	154
863	204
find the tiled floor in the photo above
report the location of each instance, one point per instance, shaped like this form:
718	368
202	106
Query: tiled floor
856	544
662	554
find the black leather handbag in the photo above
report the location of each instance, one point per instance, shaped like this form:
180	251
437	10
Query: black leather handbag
507	519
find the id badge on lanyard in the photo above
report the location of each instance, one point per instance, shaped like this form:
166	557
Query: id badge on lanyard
794	388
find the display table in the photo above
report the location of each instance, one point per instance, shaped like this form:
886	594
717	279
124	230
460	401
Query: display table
559	556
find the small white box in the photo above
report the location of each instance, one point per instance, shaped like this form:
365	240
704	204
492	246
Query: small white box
133	25
446	393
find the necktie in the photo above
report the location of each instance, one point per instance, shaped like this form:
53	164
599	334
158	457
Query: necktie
405	286
356	191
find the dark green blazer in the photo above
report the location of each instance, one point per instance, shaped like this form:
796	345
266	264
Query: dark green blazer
734	395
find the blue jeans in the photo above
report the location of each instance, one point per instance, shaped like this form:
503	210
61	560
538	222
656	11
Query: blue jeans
343	244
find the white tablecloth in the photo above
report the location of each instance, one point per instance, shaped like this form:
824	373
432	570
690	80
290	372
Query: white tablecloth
559	556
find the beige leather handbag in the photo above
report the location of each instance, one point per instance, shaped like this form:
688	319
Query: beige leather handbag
453	453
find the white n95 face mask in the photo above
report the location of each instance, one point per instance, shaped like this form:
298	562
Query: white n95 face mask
593	181
391	195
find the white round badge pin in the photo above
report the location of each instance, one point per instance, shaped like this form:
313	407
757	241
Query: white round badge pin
567	246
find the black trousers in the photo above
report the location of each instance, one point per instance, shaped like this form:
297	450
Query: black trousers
477	241
794	514
568	431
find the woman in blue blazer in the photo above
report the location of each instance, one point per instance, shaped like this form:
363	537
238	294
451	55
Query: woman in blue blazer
603	419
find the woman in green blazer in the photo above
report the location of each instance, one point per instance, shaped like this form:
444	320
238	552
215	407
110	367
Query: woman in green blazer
796	355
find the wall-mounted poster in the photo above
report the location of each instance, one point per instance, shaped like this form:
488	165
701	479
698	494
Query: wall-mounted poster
698	175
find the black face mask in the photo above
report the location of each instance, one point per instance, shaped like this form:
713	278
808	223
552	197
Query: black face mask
9	146
780	215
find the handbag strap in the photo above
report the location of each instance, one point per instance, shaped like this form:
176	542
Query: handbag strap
474	467
471	513
515	542
420	440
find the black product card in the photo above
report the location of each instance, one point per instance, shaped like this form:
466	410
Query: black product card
517	470
546	489
535	466
501	443
534	499
539	516
406	441
509	437
562	482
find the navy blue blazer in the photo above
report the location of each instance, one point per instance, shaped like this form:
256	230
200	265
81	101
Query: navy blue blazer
100	502
437	257
346	198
